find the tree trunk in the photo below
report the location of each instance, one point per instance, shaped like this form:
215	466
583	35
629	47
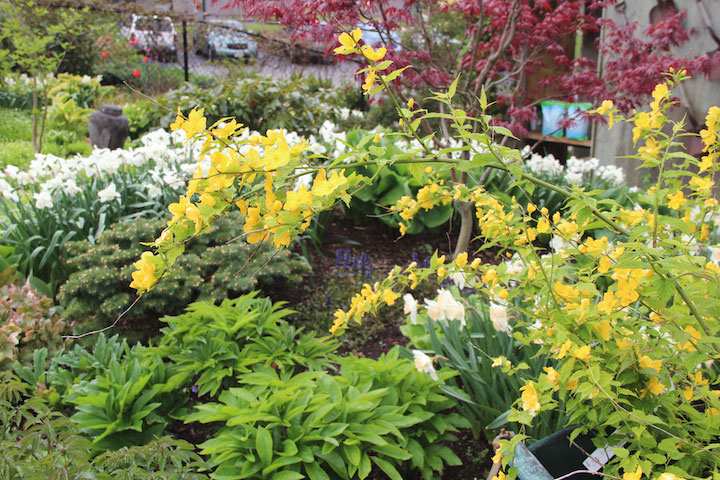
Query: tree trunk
467	223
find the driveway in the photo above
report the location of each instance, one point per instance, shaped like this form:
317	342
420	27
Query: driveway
279	64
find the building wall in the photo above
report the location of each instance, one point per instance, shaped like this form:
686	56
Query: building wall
698	94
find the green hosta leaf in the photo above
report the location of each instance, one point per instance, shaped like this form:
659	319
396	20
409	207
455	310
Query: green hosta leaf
365	466
353	454
315	472
264	446
393	451
279	463
388	468
288	475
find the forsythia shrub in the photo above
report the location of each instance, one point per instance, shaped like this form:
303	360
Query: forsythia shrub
630	316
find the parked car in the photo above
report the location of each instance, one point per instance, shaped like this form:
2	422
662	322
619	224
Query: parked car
224	38
153	35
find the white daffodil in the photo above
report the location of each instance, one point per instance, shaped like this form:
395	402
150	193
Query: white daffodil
108	194
424	364
7	191
445	308
459	279
499	317
410	307
43	200
153	191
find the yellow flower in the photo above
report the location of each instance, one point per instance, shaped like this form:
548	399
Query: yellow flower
530	400
403	229
377	138
369	81
669	476
552	375
654	387
596	246
647	362
698	379
411	102
582	353
633	476
689	345
413	280
323	186
660	92
340	319
564	349
461	259
543	225
179	120
195	123
144	277
604	328
702	185
373	55
348	42
389	297
230	127
677	200
605	107
707	161
499	476
688	393
604	265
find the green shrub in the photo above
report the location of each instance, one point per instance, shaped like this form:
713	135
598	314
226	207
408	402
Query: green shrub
28	321
316	425
127	404
260	102
85	364
99	286
37	442
211	345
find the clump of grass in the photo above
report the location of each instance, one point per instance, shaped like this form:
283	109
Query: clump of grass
17	152
16	125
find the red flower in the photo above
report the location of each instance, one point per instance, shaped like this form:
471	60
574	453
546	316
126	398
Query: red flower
136	73
105	54
145	59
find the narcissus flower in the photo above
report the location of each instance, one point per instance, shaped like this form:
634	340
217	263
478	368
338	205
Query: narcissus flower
424	364
499	317
410	307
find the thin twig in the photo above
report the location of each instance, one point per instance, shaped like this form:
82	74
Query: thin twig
93	332
248	259
588	472
266	262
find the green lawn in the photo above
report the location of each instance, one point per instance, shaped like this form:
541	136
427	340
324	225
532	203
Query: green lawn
15	137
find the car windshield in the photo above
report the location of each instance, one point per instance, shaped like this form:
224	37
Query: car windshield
225	31
154	24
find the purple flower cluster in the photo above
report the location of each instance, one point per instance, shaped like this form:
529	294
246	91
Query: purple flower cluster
348	265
